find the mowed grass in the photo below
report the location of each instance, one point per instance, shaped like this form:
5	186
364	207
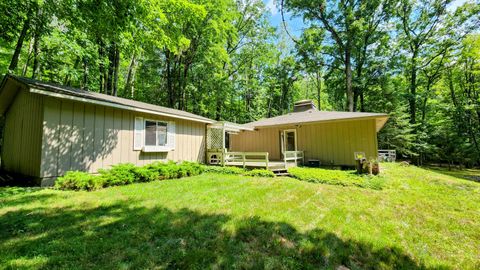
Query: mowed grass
422	219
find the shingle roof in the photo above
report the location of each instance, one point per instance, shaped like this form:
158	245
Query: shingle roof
75	92
312	116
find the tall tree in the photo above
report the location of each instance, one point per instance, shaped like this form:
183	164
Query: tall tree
419	23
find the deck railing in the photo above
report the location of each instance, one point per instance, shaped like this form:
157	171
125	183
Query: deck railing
387	155
230	158
255	159
293	156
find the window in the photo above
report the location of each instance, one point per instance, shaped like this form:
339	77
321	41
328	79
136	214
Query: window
155	133
153	136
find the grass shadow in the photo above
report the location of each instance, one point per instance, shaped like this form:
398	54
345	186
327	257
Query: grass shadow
6	192
123	235
15	196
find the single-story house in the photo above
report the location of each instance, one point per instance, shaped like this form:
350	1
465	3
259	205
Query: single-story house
51	129
330	138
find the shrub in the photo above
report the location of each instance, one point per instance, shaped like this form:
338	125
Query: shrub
170	170
121	174
336	177
144	174
166	170
223	170
191	168
75	180
260	173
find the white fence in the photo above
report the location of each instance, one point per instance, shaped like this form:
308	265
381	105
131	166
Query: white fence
387	155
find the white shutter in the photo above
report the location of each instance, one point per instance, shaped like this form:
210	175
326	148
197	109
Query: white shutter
171	135
138	133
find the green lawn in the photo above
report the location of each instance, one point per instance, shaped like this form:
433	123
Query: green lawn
421	219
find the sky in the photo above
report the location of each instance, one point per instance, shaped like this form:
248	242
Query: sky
296	25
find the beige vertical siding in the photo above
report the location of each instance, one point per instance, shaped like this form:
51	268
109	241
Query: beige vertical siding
330	142
79	136
263	140
23	134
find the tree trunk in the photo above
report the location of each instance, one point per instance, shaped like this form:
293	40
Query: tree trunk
184	84
348	77
115	71
425	100
84	84
129	80
18	47
111	68
171	98
319	89
362	101
36	51
356	95
413	89
218	111
101	67
29	55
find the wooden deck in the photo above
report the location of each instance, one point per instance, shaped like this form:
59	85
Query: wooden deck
252	160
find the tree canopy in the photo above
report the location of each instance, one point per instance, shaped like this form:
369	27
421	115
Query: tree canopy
417	60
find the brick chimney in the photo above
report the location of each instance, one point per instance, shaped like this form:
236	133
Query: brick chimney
304	105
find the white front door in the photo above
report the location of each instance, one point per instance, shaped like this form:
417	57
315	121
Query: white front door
289	140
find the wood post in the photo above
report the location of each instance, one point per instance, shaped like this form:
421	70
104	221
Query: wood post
267	161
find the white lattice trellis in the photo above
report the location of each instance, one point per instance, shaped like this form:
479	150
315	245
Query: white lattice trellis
215	138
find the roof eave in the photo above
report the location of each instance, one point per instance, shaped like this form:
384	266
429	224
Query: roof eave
228	126
112	104
379	125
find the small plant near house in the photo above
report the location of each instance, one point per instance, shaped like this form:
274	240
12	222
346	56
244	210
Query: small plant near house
76	180
260	173
371	167
375	166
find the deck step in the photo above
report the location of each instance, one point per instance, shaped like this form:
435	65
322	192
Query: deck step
280	171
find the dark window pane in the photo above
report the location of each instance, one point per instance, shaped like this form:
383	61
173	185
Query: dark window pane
162	133
291	141
150	133
227	140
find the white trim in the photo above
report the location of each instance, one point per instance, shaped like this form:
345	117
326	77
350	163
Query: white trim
138	133
114	105
284	143
156	149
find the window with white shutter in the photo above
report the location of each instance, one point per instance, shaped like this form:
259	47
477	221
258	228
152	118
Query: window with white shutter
138	133
171	135
157	136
